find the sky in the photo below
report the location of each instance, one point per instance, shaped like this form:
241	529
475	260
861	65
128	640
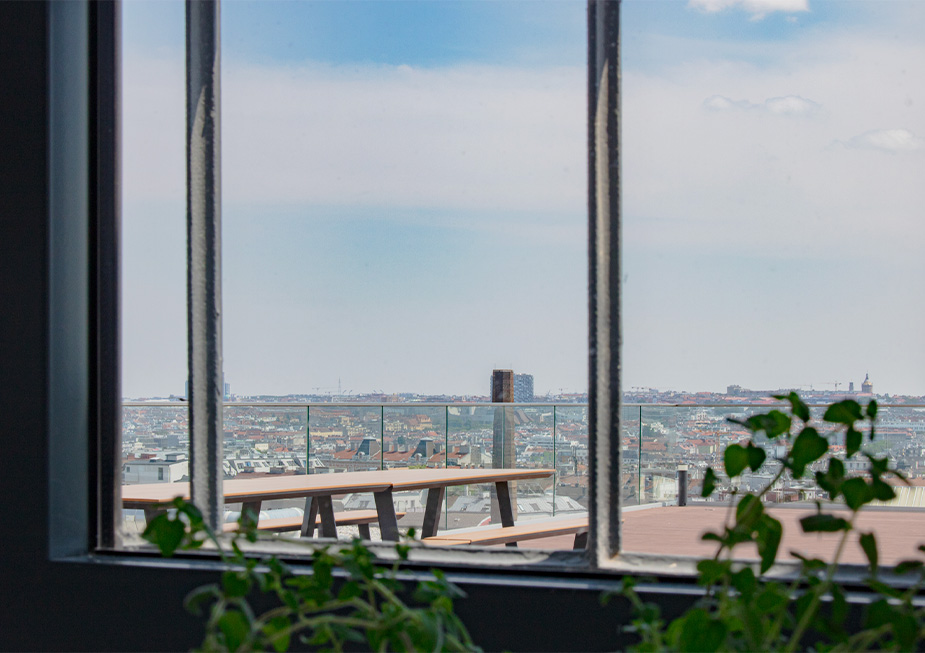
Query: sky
404	188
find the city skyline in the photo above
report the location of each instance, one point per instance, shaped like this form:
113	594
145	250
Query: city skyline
408	211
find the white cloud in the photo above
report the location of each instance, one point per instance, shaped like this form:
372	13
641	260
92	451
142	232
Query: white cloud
721	103
888	140
463	137
789	105
757	8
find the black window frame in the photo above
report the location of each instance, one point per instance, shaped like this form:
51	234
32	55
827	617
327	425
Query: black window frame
84	404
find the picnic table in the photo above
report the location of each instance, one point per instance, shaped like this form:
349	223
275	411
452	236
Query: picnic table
319	490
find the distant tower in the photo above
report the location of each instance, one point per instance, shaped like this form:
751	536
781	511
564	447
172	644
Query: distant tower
867	387
523	388
851	387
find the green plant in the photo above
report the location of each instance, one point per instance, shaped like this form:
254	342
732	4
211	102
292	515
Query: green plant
743	610
320	607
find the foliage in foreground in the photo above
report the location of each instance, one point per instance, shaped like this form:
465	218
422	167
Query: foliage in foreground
742	610
325	609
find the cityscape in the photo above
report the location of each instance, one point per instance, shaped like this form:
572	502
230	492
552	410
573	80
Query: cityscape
661	432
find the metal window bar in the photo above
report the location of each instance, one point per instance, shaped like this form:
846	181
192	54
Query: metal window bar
204	274
604	328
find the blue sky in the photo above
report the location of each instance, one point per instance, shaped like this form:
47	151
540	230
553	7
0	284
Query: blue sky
404	210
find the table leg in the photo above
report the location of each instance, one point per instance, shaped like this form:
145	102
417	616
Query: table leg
151	512
251	509
388	523
326	508
308	519
432	511
581	541
364	532
504	506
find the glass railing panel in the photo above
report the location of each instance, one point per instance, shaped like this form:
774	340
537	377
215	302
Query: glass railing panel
155	449
534	431
472	444
414	437
265	441
344	438
571	460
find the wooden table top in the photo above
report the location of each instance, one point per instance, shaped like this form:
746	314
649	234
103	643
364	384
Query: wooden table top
306	485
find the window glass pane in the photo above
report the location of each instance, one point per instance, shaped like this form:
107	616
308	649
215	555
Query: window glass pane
772	161
403	211
155	424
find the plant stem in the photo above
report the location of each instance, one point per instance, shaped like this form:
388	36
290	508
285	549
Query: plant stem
823	588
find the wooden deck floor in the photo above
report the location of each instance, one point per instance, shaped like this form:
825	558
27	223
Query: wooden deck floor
676	531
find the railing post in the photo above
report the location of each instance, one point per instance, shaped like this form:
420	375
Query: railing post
555	462
308	439
639	463
382	437
682	485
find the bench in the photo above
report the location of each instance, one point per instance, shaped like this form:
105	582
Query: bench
531	530
359	518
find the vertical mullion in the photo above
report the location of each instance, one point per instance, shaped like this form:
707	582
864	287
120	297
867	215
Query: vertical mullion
204	278
604	326
105	35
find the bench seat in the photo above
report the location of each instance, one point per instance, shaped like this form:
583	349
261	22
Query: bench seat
531	530
361	518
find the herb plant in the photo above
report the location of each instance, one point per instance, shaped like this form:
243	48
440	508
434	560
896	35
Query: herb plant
320	608
741	610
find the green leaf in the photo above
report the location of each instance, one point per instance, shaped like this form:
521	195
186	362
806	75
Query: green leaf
744	581
809	446
884	589
882	491
907	566
878	466
872	409
756	457
194	600
772	598
277	633
350	589
770	533
906	630
856	492
879	613
810	565
165	533
712	570
709	482
735	459
831	480
236	584
799	409
853	440
773	423
749	511
868	543
235	628
822	523
847	412
701	633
